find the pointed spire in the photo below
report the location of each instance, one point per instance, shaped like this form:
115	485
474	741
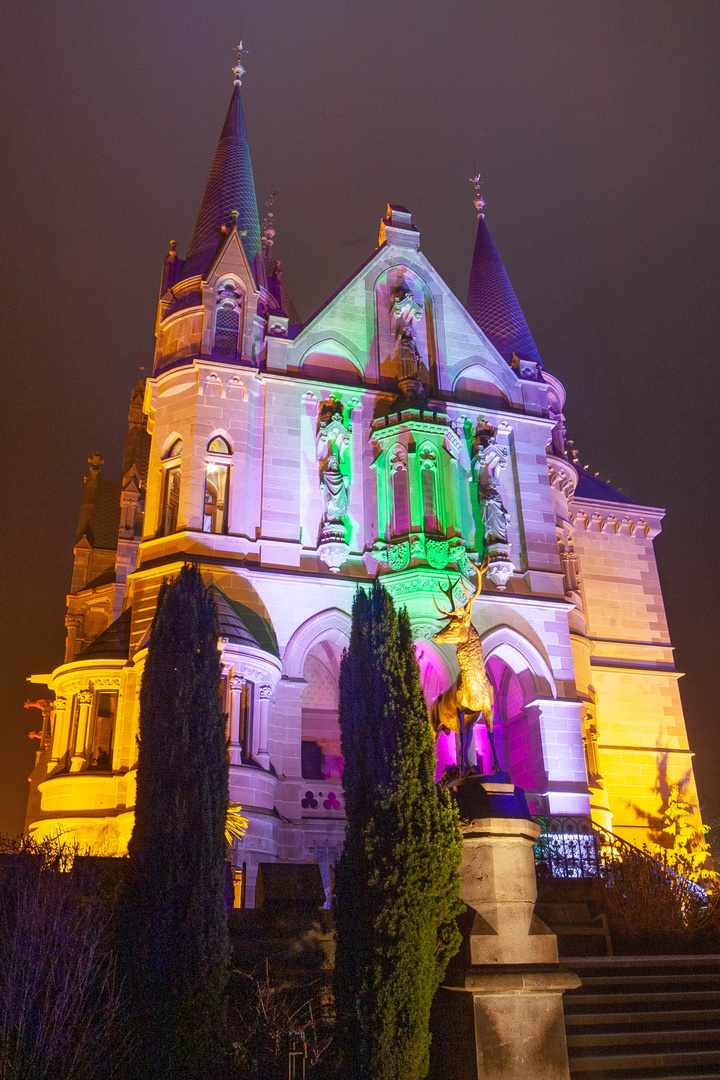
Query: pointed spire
491	298
230	187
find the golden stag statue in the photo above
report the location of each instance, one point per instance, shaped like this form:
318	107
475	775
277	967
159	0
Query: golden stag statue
471	695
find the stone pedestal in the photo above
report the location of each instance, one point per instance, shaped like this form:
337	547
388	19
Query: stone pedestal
500	1015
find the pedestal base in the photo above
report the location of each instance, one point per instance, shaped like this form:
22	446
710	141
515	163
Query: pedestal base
504	1024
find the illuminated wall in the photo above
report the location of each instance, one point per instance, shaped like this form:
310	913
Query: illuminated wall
293	466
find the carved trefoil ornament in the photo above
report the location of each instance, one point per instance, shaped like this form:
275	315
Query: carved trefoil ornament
489	458
332	448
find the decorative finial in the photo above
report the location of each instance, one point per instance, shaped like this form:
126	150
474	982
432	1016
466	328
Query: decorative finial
478	201
268	229
238	69
172	253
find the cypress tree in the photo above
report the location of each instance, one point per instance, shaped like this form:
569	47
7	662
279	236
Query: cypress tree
174	913
397	880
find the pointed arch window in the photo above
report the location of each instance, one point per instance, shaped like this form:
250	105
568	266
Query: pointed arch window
217	477
430	524
171	489
401	500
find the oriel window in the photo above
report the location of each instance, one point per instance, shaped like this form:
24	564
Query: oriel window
100	756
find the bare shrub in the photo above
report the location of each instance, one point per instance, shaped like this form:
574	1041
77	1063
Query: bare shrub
60	1005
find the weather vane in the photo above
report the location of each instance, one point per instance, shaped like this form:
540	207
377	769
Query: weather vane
239	70
478	201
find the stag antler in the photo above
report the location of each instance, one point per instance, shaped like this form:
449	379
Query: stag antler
479	570
449	592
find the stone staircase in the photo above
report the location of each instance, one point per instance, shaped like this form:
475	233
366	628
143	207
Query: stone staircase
644	1018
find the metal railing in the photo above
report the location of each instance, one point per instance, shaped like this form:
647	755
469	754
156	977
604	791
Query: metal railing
574	846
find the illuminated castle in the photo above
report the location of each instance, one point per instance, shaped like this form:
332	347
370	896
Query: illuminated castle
397	432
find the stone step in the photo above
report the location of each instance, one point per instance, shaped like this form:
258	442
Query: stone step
620	1063
678	1016
654	1038
660	980
578	999
672	963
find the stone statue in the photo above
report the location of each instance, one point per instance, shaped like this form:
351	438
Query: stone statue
494	515
470	697
335	490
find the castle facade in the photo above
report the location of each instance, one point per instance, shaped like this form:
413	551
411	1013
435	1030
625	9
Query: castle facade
399	433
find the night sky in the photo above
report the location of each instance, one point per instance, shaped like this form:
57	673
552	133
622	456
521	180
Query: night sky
595	126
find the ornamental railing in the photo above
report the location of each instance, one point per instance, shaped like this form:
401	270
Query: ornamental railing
574	846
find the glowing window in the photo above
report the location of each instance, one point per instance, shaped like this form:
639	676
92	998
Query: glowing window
171	501
218	445
100	756
215	504
227	330
245	732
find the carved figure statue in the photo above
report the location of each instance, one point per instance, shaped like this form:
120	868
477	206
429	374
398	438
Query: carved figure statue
495	517
335	490
331	444
470	697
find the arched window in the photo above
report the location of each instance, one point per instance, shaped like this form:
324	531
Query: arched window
400	498
227	322
218	445
176	448
430	524
171	499
215	502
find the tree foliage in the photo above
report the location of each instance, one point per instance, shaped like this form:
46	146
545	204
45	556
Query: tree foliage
175	919
396	882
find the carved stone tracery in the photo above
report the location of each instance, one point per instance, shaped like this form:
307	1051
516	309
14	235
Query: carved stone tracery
488	460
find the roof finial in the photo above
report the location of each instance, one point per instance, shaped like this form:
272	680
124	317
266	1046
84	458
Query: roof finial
238	69
478	201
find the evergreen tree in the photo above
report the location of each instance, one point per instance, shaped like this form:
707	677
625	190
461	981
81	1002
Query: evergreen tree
397	882
174	912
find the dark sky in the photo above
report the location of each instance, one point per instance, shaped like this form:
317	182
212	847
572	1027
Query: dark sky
595	126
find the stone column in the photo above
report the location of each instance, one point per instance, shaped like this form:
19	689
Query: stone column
263	753
79	751
235	749
59	731
500	1014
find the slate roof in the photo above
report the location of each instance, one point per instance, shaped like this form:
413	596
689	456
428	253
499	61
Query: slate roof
230	187
243	626
100	513
113	643
493	304
591	487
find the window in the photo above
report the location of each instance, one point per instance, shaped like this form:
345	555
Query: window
100	756
428	501
227	329
215	505
312	758
171	501
175	449
401	501
245	732
218	445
